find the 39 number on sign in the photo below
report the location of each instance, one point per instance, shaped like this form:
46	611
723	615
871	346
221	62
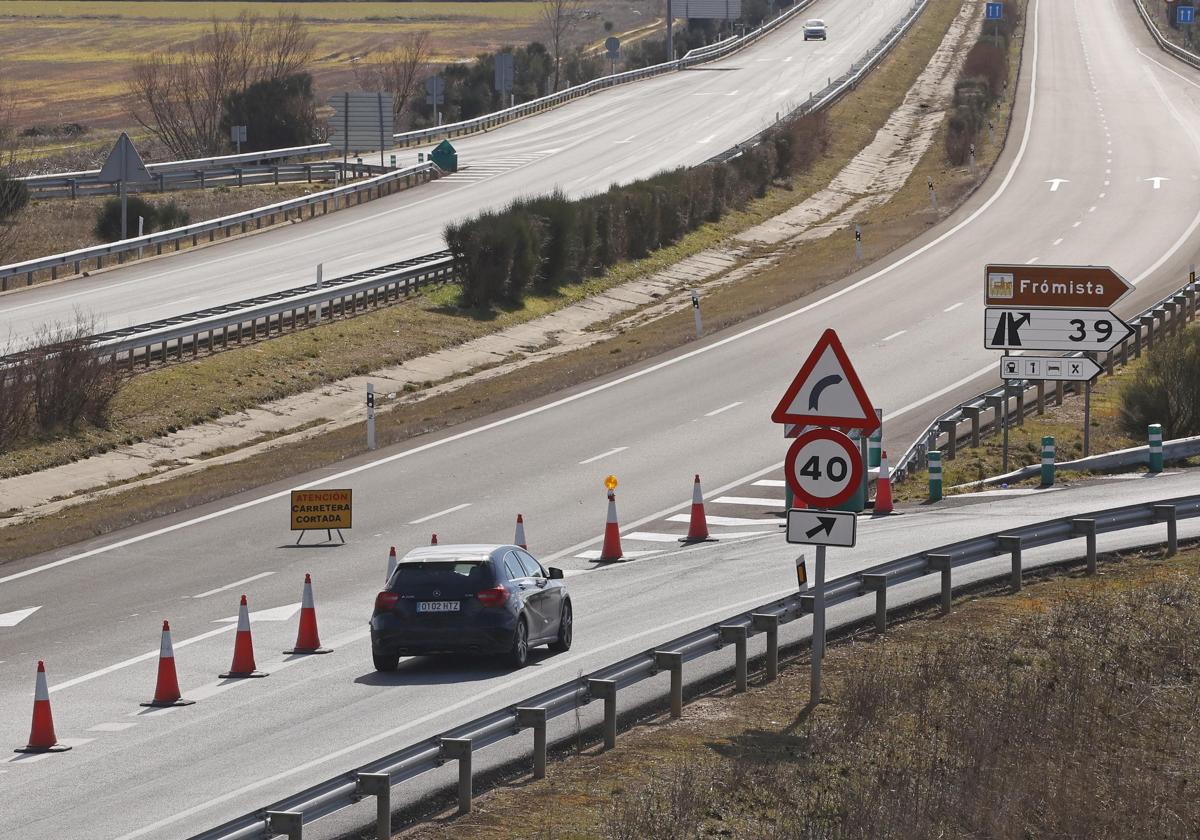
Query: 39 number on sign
1103	330
824	467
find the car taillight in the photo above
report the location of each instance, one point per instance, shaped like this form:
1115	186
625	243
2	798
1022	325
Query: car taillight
494	597
386	600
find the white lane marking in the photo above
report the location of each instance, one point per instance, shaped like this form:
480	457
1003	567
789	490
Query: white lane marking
629	377
745	500
953	306
272	614
651	536
604	455
1032	260
1055	183
724	520
1157	181
136	659
232	585
769	482
594	554
786	60
111	727
628	139
440	513
1092	209
895	335
1106	183
1077	224
733	93
717	411
557	663
12	619
707	139
1058	241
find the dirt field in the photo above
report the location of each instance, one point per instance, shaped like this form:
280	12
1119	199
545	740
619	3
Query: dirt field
67	61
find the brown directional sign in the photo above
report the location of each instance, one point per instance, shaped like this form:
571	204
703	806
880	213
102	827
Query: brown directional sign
1054	286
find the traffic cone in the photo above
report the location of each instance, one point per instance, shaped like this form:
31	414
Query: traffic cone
41	734
698	527
166	691
612	533
243	648
883	487
519	537
391	564
434	540
307	640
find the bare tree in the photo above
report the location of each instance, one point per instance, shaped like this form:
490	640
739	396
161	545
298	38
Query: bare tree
398	72
13	196
559	19
178	95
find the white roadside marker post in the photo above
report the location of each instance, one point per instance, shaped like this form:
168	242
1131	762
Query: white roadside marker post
696	312
370	416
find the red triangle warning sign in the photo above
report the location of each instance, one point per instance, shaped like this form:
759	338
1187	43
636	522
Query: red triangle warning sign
827	391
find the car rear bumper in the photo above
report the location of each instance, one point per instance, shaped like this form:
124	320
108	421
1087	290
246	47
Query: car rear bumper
391	636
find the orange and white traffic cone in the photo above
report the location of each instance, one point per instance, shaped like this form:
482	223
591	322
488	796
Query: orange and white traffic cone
519	537
698	526
243	648
307	640
166	691
612	532
41	734
391	564
433	541
883	487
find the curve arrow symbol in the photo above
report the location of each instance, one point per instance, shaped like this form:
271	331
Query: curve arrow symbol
822	384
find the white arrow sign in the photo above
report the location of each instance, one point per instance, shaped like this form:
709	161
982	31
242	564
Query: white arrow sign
1056	182
1096	330
12	619
274	614
1065	368
1157	181
822	527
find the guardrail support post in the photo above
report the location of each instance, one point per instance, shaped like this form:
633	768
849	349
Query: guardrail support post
290	823
769	623
973	412
534	717
878	585
1148	322
460	749
1041	397
1166	513
672	661
934	467
1012	544
737	633
950	428
1154	433
1087	528
378	785
606	690
941	563
1060	392
1020	405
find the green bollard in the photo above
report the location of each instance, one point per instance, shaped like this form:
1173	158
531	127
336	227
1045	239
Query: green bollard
935	476
1048	460
874	444
1156	455
789	498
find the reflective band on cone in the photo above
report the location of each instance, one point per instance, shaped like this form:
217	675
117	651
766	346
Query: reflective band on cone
41	733
166	690
883	486
519	536
698	526
391	564
612	533
307	640
243	648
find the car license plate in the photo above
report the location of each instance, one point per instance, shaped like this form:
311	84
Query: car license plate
437	606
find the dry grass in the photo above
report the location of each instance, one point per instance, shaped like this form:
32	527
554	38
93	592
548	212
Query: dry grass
801	271
67	61
1067	711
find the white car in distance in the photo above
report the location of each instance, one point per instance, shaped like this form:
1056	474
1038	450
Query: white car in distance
814	30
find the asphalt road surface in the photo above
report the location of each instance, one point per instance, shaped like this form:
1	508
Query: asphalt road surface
618	135
1099	106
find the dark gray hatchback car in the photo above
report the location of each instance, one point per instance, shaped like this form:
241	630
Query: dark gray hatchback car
482	599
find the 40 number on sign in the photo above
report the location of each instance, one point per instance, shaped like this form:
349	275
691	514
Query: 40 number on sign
823	467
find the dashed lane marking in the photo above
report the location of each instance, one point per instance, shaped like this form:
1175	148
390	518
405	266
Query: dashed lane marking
724	520
232	585
440	513
603	455
717	411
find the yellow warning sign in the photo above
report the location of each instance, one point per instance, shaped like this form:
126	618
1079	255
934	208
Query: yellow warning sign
321	509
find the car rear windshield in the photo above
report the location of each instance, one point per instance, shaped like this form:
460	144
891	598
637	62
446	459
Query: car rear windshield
453	576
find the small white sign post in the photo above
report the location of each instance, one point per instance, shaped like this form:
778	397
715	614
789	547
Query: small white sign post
370	416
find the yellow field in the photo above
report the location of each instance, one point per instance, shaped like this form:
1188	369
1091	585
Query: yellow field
68	61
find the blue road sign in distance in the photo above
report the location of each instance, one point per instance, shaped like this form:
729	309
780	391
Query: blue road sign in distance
1185	14
994	11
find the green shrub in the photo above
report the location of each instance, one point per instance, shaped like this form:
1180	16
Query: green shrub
108	218
14	196
1167	391
171	215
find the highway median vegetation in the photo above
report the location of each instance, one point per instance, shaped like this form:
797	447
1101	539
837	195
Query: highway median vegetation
982	83
547	242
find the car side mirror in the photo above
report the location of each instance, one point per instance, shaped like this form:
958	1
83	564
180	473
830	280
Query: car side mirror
555	574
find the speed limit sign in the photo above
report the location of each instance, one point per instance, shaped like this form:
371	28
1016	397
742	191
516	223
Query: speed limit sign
824	468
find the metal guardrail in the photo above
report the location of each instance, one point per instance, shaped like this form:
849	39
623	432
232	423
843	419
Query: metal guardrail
1163	318
366	189
837	88
1155	33
376	778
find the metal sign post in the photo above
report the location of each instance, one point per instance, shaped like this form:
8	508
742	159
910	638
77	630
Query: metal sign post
370	416
435	95
123	165
818	633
